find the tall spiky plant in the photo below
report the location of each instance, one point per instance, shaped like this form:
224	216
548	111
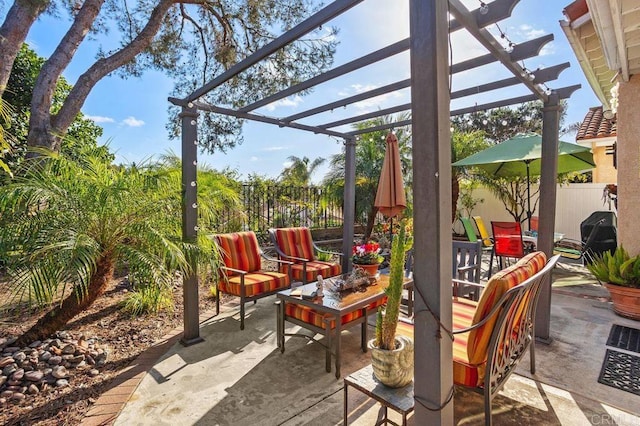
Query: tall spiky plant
387	322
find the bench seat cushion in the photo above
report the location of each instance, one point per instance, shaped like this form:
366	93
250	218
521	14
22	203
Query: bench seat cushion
255	283
315	268
311	316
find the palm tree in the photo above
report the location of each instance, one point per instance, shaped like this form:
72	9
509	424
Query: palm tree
5	147
300	171
370	150
68	223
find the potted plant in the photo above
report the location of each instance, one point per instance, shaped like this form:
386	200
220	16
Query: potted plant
620	274
367	256
391	355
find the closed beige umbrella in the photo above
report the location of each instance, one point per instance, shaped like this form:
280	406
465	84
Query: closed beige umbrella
390	198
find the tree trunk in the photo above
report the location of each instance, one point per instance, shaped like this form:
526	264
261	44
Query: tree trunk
13	32
455	194
41	132
86	82
371	220
76	302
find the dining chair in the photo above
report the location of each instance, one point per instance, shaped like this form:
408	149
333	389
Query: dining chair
507	242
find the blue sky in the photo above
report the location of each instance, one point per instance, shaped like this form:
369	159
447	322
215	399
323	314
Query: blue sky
133	112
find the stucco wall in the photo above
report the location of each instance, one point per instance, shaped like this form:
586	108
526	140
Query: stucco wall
604	171
629	165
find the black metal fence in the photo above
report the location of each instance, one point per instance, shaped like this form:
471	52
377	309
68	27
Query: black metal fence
280	206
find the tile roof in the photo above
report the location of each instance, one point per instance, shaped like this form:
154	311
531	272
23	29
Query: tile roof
596	126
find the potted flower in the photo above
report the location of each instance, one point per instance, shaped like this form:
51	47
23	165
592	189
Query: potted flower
367	256
391	355
620	274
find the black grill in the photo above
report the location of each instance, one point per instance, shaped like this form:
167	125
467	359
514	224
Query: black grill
605	239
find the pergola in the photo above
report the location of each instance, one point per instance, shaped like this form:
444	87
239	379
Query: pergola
430	110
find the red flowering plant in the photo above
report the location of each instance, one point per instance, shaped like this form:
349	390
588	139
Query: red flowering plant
367	254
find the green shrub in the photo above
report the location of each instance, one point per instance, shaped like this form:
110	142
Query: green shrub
148	300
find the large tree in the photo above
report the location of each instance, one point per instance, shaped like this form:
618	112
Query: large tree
300	171
192	40
81	136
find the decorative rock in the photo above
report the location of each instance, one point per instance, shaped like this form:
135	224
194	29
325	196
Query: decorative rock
60	372
33	389
9	369
47	371
45	356
17	396
6	394
62	383
14	383
90	360
76	359
3	341
3	379
101	359
11	349
94	372
19	356
81	365
3	401
34	376
55	343
55	360
55	350
67	357
50	379
18	374
35	344
69	349
6	360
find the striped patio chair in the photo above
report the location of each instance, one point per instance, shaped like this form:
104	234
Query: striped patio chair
242	274
296	245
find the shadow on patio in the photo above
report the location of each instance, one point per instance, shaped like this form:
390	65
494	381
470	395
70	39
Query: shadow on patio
240	377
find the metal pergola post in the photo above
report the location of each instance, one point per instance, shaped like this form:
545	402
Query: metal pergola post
432	209
349	200
547	216
189	117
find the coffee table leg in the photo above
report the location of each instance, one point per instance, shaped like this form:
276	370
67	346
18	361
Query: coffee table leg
346	399
328	338
280	325
364	331
337	345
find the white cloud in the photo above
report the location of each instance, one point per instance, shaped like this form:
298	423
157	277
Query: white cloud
529	33
253	158
273	148
99	119
372	103
291	102
131	121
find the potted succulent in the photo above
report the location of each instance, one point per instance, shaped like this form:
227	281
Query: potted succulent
620	274
367	256
391	355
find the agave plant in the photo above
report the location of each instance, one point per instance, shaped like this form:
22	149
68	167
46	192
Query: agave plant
618	268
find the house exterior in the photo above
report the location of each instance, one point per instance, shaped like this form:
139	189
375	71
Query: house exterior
600	134
605	36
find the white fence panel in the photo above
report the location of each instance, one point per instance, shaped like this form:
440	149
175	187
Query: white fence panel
574	203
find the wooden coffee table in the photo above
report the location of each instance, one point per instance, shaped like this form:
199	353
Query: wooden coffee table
332	307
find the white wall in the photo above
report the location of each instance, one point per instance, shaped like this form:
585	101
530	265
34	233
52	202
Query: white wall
574	203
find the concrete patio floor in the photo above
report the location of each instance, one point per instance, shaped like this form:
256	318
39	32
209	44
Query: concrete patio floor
240	378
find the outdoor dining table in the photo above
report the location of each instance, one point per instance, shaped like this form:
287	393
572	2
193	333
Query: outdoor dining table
333	306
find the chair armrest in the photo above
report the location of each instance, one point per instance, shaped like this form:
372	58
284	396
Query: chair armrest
457	281
237	271
335	253
466	268
273	259
295	258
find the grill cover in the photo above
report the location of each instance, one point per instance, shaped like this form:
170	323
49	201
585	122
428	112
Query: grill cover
606	238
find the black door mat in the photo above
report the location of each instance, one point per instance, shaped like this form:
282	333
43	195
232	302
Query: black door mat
626	338
621	371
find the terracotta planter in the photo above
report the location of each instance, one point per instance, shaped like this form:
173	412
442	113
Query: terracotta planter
372	270
626	300
393	368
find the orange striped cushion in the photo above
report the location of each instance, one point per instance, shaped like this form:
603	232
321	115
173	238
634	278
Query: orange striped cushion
240	250
497	286
295	242
315	268
311	316
537	260
255	284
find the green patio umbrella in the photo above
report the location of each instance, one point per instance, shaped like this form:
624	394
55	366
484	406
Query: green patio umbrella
520	156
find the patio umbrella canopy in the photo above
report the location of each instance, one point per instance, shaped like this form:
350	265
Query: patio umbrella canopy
390	197
521	156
